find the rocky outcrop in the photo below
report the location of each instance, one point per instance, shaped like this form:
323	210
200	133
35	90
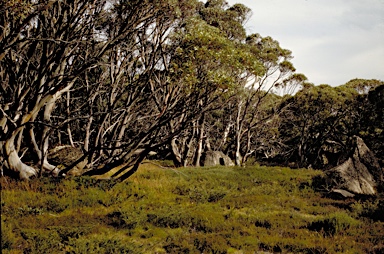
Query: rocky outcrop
215	158
65	156
359	174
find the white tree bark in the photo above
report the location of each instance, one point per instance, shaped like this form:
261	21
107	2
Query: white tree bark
13	160
226	133
68	114
239	128
200	142
175	151
88	133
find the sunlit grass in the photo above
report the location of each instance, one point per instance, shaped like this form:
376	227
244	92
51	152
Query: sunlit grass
187	210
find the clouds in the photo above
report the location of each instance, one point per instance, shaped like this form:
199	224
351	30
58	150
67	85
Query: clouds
332	41
366	15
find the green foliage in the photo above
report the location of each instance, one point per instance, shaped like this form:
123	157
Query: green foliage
317	124
101	243
8	236
334	223
363	86
368	208
371	118
229	20
207	56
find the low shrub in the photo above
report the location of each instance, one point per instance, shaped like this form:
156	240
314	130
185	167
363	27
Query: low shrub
41	241
86	182
124	219
73	232
373	209
210	243
55	204
101	243
263	223
334	223
8	236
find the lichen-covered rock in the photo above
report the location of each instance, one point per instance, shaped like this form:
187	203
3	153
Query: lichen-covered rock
360	174
65	156
215	158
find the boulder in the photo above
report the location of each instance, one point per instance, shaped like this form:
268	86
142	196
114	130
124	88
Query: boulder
340	194
64	156
215	158
359	174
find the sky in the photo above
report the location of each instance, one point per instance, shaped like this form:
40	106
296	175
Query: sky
332	41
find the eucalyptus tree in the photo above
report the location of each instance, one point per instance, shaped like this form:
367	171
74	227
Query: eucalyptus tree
219	59
101	55
253	65
369	110
265	67
363	86
42	55
317	125
277	72
208	62
132	98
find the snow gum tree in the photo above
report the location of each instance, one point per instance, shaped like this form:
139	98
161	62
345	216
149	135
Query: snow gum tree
88	64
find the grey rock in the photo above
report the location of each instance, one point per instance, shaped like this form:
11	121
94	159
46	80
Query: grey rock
341	194
359	174
65	156
215	158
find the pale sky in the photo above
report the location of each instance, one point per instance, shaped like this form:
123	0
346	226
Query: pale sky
332	41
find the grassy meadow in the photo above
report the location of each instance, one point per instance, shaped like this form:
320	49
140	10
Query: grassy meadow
251	209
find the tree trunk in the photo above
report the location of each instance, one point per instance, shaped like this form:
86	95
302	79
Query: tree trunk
249	151
226	133
88	134
188	146
199	150
121	134
239	128
68	116
237	153
177	158
13	160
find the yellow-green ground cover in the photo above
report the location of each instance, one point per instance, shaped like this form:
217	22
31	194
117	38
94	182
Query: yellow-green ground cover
190	210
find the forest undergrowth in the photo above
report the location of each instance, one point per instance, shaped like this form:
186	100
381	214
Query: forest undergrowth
189	210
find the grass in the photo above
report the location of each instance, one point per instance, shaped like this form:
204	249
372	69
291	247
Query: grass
188	210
